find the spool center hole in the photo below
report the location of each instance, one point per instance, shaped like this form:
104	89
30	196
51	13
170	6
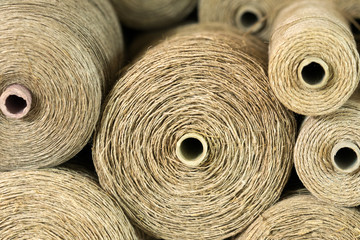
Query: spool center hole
249	19
15	104
191	148
313	73
345	158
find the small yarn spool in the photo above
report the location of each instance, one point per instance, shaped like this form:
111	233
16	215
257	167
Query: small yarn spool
327	155
58	58
152	14
313	60
255	17
192	141
58	204
301	217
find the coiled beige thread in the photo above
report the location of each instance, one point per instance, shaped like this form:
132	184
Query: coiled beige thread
327	155
57	59
313	60
58	204
152	14
203	93
304	217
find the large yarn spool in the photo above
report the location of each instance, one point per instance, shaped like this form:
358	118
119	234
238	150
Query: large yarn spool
152	14
58	204
192	141
327	155
255	16
314	63
302	216
57	58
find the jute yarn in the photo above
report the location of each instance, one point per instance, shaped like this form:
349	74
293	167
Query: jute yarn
313	60
254	16
327	155
192	142
58	204
152	14
302	216
57	59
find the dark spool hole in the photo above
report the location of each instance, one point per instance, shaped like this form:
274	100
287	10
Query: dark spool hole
345	158
249	19
191	148
15	104
313	73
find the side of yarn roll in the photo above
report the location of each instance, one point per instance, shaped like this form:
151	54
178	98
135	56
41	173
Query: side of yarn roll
327	155
192	142
152	14
58	204
58	58
313	60
255	17
304	217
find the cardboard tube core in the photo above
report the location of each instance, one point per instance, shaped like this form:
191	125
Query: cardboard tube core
345	157
191	149
15	101
313	72
249	18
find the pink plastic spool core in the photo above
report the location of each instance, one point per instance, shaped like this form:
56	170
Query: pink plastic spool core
15	101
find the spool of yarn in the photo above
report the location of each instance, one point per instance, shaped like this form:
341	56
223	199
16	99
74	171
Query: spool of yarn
152	14
255	16
58	204
192	142
58	57
304	217
314	63
327	155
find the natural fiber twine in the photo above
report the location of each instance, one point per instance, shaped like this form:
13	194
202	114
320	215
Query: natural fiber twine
313	60
304	217
327	155
64	54
206	85
152	14
58	204
249	16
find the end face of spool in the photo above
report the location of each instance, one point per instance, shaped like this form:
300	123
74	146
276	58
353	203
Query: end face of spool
15	101
249	18
313	72
191	149
345	157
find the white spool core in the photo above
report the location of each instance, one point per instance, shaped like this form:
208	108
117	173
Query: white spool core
249	18
15	101
191	149
313	72
345	157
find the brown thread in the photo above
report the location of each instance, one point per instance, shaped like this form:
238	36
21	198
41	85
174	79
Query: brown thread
207	81
65	54
58	204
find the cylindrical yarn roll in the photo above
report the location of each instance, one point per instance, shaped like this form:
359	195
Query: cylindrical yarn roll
58	204
254	16
313	60
152	14
302	216
57	59
192	141
327	155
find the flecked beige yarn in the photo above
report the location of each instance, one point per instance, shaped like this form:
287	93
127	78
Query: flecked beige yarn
66	53
304	217
58	204
327	155
208	88
313	60
152	14
249	16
